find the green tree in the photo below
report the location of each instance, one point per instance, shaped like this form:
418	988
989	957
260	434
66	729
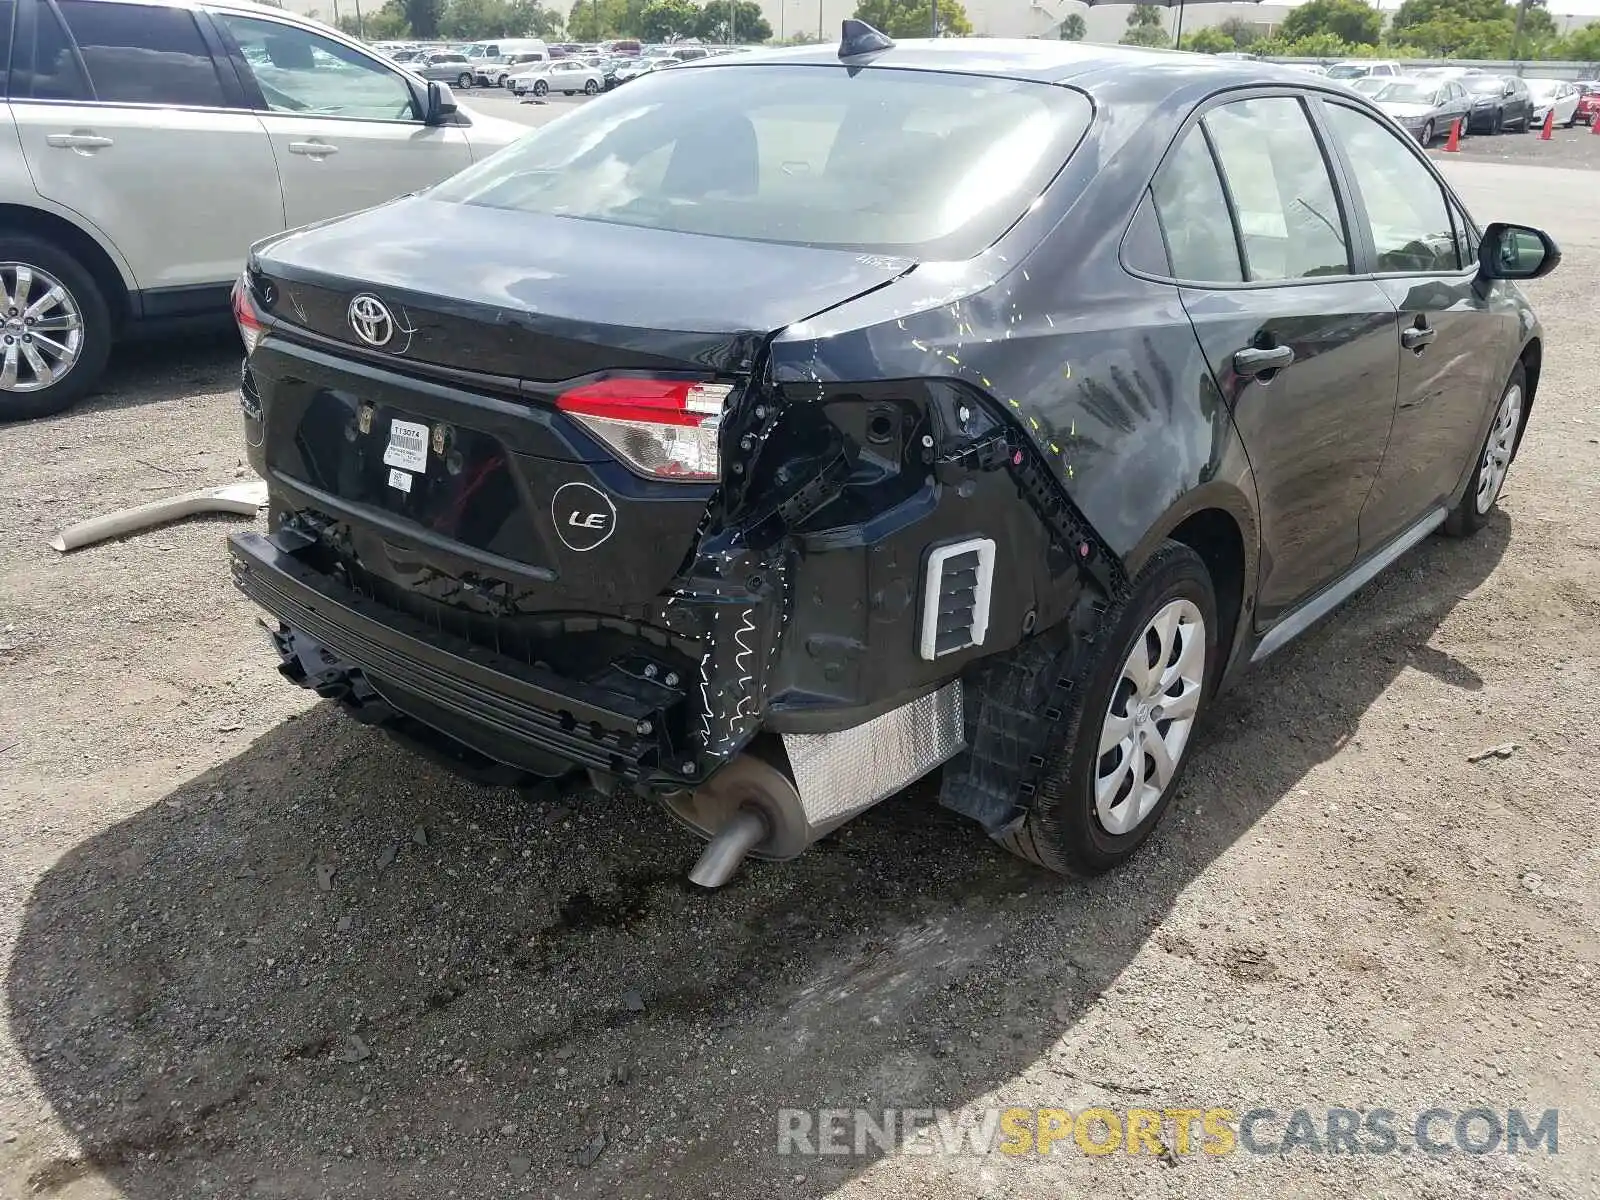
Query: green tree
1350	21
1205	40
1241	32
1209	40
422	17
387	23
1146	27
668	20
913	18
469	20
1322	45
733	21
597	20
1073	28
1582	45
1476	29
529	18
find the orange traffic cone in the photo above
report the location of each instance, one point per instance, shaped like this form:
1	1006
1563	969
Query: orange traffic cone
1594	126
1548	131
1453	143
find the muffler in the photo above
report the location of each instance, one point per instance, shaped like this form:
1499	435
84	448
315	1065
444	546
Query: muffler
753	808
750	807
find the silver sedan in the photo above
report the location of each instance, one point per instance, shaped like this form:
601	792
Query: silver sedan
566	75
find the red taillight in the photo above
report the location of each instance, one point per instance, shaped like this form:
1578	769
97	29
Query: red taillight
244	313
662	428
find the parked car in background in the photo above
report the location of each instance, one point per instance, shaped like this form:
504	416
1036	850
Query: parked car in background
494	51
1499	102
1423	107
638	67
561	450
566	75
1369	85
131	194
1358	68
496	73
1553	95
1588	101
447	66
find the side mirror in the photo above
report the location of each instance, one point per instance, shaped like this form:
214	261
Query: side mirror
1516	252
441	103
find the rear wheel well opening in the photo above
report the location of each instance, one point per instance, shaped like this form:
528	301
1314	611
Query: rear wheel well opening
1214	535
68	237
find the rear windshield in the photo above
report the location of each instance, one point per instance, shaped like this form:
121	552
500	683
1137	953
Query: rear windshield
923	163
1485	84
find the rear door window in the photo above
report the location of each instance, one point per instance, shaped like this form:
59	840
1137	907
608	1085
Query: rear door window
1193	212
916	162
1283	194
143	54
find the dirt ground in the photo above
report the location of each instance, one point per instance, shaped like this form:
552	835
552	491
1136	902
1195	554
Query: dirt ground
254	950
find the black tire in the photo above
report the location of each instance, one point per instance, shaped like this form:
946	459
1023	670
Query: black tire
540	88
590	87
1427	133
464	81
1498	123
1062	832
1465	519
85	293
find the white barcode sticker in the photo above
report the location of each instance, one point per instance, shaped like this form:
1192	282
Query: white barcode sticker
408	447
399	479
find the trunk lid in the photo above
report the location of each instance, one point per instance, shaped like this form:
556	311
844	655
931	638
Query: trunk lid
545	299
435	440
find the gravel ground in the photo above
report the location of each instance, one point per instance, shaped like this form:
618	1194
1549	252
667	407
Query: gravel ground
255	950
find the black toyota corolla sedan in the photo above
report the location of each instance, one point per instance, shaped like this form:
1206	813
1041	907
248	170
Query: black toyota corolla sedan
779	429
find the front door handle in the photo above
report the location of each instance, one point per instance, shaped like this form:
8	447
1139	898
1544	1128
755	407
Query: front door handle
1417	337
1256	361
313	149
83	143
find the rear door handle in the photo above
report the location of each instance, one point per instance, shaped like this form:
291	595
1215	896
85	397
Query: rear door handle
1254	361
313	149
1417	337
78	141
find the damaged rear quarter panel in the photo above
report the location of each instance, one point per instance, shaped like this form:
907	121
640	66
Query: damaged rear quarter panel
1099	368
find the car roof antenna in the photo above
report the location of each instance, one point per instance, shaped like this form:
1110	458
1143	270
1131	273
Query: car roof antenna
857	38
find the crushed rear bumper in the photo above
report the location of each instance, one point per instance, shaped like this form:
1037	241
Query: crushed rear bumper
506	710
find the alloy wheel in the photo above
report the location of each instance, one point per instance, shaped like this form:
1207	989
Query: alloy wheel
43	329
1497	451
1151	715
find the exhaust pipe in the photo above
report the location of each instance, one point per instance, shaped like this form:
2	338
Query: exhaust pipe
722	857
750	808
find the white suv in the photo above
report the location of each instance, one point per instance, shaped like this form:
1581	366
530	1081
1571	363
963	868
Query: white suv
145	145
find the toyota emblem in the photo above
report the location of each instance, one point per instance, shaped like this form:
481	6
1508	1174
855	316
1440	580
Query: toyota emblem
371	320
